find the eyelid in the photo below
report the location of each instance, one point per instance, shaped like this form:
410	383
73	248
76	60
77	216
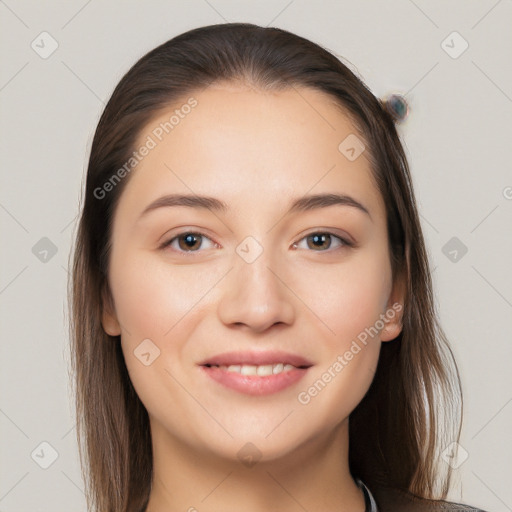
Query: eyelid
187	231
337	232
345	240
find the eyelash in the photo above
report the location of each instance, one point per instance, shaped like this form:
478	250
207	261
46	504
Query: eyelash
344	242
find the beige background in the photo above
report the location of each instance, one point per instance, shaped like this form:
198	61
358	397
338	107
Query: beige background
457	137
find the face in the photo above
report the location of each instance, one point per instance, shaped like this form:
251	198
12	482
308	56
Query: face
248	279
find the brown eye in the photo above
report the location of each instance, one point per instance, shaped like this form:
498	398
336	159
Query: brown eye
322	241
188	242
319	241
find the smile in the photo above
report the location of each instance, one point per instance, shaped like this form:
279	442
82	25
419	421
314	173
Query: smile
256	372
261	370
255	380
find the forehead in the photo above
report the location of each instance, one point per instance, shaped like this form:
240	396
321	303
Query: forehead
250	147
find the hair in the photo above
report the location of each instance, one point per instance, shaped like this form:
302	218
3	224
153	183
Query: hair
413	407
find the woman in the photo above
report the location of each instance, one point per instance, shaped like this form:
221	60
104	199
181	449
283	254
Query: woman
250	279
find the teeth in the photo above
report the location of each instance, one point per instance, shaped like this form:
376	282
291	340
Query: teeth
278	368
262	370
248	370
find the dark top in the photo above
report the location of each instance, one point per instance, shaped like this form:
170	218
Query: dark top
386	499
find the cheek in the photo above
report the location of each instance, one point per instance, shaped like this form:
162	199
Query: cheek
155	299
335	389
157	302
164	304
348	297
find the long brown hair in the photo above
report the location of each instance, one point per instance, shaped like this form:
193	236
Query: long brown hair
397	431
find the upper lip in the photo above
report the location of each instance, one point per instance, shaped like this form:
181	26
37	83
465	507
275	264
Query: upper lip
257	359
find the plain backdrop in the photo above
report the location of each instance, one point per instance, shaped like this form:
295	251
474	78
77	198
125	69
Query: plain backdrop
60	63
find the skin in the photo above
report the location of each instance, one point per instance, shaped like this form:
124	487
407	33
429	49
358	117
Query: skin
257	151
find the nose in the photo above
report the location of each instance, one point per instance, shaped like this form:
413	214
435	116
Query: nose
256	296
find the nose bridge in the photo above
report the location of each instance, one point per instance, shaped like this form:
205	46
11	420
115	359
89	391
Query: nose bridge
255	294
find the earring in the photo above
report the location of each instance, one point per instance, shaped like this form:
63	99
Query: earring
397	107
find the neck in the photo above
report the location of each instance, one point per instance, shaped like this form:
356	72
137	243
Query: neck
315	477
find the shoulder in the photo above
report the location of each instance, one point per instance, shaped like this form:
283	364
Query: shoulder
395	500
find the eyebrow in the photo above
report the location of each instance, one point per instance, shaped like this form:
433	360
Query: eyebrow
302	204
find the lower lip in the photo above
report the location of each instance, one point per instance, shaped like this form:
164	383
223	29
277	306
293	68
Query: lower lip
254	384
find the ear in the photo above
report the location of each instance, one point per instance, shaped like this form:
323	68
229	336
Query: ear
394	310
108	317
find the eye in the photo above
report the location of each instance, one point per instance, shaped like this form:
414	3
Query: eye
321	241
187	242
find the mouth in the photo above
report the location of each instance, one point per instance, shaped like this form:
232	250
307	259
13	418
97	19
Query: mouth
257	358
259	370
256	373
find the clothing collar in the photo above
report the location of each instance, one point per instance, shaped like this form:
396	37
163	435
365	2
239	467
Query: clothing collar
371	506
